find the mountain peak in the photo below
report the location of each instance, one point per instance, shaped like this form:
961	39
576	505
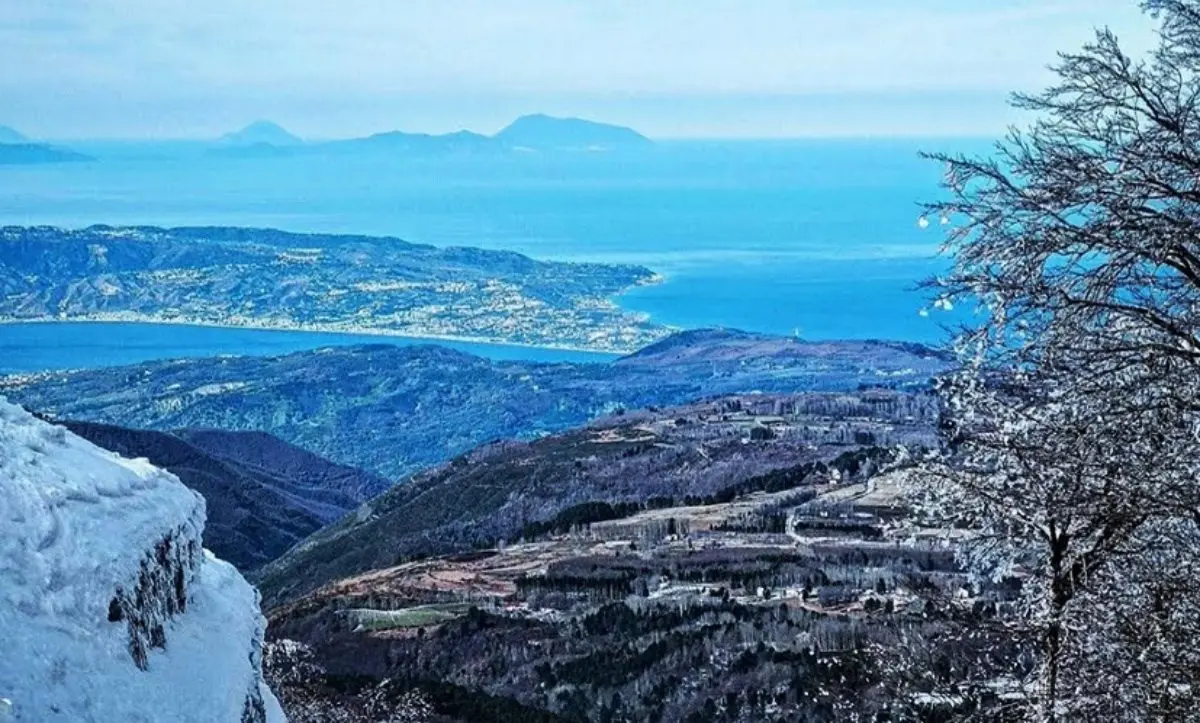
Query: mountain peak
261	132
11	135
540	130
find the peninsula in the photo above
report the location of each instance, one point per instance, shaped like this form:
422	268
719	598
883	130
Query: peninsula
262	278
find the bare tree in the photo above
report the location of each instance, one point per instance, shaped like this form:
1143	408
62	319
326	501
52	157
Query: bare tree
1072	457
1058	495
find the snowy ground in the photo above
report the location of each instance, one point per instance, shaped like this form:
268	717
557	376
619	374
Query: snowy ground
76	523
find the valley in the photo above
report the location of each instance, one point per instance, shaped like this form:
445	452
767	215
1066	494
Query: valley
262	495
779	362
676	565
700	454
712	527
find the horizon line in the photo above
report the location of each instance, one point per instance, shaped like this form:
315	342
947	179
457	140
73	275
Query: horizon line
897	135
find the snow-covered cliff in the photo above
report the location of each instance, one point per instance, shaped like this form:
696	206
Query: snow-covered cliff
110	610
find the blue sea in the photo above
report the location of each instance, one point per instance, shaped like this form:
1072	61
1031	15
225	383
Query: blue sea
817	238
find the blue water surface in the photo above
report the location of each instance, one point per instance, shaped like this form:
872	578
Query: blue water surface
817	238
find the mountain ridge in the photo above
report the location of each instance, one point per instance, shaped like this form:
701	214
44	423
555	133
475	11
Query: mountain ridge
541	131
536	132
744	558
394	410
262	494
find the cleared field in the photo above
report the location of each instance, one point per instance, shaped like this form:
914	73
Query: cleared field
415	617
883	490
695	518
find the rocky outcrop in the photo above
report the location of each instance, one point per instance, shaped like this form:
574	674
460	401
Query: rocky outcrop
159	594
112	610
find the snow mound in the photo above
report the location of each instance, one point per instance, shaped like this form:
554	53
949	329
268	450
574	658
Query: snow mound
110	608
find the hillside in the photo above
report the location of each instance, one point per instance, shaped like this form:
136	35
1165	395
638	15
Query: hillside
275	279
698	351
674	456
108	598
743	559
262	494
394	410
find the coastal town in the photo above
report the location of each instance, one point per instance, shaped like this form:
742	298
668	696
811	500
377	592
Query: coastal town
261	279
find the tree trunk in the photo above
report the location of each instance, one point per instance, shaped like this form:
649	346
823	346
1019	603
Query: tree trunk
1061	591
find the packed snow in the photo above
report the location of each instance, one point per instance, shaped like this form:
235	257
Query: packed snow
77	524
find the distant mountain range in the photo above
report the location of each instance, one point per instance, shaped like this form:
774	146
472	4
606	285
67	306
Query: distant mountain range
263	495
17	150
394	410
536	133
460	142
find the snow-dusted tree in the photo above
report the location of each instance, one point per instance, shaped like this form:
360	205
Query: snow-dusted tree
1141	619
1060	495
1072	459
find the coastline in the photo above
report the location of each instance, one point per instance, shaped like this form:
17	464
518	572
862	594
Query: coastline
315	329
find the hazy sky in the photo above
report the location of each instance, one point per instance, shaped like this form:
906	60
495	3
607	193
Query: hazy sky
671	68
